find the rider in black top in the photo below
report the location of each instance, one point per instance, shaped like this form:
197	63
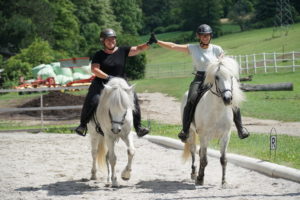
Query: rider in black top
106	64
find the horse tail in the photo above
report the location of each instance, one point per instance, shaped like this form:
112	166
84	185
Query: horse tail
101	154
189	146
186	152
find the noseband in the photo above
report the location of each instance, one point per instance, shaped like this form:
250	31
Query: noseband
219	92
118	122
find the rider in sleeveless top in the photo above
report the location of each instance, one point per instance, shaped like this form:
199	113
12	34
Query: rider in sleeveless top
106	64
202	55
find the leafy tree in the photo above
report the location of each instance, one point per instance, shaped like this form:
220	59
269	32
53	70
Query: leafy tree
23	20
161	15
196	12
65	28
21	64
241	13
93	16
129	14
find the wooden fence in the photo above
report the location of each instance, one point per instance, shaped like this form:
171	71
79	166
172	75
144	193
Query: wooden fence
249	64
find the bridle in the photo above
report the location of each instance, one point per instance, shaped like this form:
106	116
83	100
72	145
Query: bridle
219	93
118	122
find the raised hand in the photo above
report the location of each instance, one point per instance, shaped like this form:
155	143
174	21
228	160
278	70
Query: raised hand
152	39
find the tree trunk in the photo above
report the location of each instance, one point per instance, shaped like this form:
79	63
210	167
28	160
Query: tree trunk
267	87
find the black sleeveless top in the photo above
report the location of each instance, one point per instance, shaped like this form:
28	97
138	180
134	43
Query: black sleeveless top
112	64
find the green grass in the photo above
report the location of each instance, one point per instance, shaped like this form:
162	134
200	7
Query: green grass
256	146
241	43
278	105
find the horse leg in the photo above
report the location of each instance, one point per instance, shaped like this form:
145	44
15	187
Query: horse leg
94	152
107	167
130	152
192	149
203	163
112	161
223	159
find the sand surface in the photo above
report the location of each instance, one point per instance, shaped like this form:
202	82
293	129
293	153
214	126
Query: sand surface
57	166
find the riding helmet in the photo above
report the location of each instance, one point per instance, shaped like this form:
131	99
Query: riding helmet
204	29
108	32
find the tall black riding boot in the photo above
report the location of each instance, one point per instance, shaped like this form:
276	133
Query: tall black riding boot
242	132
196	91
140	131
187	118
87	111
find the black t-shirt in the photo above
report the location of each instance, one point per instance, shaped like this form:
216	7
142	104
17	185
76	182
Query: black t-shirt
112	64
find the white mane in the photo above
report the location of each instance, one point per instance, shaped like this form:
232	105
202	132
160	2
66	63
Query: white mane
227	66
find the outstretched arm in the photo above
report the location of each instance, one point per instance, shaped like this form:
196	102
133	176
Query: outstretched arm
173	46
138	49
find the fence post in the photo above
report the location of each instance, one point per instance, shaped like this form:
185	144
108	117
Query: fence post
294	68
241	67
265	64
42	112
275	63
254	63
247	64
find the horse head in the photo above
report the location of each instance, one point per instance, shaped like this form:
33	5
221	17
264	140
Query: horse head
222	77
119	99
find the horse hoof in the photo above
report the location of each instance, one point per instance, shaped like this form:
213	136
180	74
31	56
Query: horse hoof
199	181
115	185
125	175
93	177
193	176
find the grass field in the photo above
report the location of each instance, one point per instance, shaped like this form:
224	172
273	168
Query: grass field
257	145
241	43
278	105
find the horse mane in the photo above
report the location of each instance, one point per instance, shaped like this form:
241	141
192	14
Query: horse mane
227	66
118	94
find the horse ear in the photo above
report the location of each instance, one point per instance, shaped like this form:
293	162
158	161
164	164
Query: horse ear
107	87
130	88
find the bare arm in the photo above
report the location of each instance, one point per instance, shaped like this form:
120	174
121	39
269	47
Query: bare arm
173	46
98	72
138	49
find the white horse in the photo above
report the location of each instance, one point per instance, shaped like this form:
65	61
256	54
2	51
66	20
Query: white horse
114	114
214	115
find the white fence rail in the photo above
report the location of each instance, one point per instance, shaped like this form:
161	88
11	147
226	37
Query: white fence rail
249	64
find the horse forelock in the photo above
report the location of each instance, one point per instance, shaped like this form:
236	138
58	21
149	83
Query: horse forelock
230	68
117	95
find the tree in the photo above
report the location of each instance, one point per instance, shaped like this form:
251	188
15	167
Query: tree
21	64
161	16
129	14
241	13
65	28
196	12
93	16
22	20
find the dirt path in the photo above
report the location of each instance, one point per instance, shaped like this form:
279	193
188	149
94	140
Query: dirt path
57	166
157	106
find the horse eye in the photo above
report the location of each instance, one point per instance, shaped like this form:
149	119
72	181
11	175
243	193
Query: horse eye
217	78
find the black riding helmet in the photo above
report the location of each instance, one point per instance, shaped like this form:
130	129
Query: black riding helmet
204	29
108	32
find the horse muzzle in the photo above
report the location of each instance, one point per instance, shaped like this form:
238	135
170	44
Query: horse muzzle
227	98
116	130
